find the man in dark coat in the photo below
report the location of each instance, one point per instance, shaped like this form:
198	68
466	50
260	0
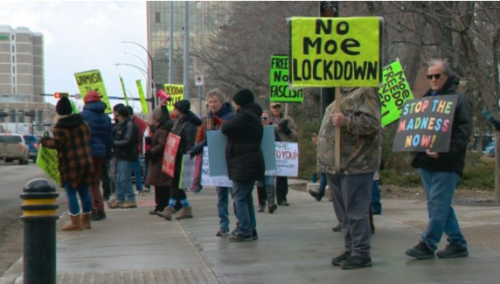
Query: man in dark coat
101	139
245	161
125	151
440	172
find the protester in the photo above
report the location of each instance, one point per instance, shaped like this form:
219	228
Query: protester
113	162
322	185
245	161
440	172
160	126
106	180
376	206
350	186
185	127
265	186
219	111
141	128
496	123
71	139
101	139
285	125
125	151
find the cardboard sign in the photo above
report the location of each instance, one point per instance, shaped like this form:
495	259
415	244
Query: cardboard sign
47	161
426	124
187	172
393	93
335	52
207	179
287	160
92	81
144	104
171	148
278	82
217	150
124	91
176	92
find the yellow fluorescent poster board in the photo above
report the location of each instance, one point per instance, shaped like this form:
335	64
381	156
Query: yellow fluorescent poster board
92	81
176	92
144	104
335	52
48	162
124	91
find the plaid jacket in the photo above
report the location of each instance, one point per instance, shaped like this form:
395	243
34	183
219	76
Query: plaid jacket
71	139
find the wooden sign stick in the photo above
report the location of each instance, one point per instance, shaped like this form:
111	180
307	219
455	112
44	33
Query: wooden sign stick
337	131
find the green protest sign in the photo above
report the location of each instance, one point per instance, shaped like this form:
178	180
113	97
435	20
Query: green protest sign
73	106
393	92
144	104
124	91
92	81
48	162
278	82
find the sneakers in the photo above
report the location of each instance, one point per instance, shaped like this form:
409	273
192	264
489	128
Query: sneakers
337	228
222	233
98	216
283	203
317	195
420	251
354	262
153	212
254	235
114	204
341	257
453	250
129	204
261	208
238	238
271	208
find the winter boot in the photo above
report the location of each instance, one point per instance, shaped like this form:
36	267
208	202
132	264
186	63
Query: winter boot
86	220
74	225
271	199
166	213
186	213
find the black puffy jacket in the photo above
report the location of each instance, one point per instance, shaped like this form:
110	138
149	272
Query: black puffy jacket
454	160
244	132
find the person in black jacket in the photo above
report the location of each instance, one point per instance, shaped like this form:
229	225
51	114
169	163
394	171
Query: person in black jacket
125	151
440	172
185	126
245	161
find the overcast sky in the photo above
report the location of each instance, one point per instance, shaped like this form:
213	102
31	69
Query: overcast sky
84	35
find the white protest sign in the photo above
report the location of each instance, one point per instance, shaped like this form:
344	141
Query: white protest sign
287	160
207	180
187	172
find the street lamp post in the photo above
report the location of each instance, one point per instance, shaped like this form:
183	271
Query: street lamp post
153	86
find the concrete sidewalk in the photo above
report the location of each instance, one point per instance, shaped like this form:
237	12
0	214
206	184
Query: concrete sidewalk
295	246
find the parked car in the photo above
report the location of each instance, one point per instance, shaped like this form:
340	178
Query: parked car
13	147
33	144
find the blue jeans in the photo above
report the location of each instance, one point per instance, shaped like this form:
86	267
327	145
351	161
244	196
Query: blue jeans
124	190
439	188
137	172
84	193
267	180
223	207
376	205
322	183
243	204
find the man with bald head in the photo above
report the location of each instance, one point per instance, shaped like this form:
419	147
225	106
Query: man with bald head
440	172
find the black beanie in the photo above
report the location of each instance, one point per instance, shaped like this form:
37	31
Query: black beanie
243	97
124	112
63	106
183	106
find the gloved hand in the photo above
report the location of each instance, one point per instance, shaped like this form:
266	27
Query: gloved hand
487	114
284	127
217	121
191	154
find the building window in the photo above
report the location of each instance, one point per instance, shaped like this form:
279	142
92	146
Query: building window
157	17
14	69
2	119
12	36
13	48
14	90
14	80
21	116
13	115
13	59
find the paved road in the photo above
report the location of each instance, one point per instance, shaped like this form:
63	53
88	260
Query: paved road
13	177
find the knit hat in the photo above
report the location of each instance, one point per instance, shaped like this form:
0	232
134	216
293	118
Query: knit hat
123	111
183	106
243	97
63	106
91	97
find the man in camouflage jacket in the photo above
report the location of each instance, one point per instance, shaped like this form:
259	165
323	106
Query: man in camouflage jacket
350	186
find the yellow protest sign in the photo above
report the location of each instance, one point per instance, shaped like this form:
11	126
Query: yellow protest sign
144	104
48	162
335	52
176	92
92	81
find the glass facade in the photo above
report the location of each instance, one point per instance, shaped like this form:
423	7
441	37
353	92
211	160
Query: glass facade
205	19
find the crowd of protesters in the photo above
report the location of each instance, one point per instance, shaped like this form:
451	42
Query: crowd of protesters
91	149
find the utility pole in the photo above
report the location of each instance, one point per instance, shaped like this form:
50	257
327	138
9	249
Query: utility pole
171	44
327	9
186	50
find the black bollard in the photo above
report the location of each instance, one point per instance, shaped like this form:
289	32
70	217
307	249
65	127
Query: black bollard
39	217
